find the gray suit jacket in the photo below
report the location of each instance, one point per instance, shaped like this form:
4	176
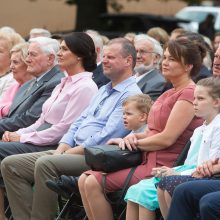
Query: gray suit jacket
27	106
152	84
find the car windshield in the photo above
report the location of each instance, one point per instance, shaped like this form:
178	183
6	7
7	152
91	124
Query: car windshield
197	16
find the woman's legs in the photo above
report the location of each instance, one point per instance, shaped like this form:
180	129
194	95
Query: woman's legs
81	183
162	202
99	207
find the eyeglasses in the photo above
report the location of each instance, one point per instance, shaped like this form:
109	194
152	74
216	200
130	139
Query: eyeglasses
217	57
143	52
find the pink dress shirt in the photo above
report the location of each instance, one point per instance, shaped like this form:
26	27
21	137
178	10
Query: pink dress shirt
7	98
65	104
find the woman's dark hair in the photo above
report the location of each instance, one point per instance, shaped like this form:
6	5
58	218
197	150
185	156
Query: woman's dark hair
186	51
82	45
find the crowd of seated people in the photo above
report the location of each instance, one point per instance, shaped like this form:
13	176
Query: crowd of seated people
61	95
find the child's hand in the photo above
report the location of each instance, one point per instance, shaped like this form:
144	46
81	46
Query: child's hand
169	172
156	171
114	141
163	171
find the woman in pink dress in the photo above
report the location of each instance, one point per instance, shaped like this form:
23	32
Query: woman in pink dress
19	69
170	125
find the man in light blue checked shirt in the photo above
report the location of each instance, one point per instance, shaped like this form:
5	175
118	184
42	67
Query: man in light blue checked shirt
101	121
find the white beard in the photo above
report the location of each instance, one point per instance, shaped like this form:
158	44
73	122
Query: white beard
141	69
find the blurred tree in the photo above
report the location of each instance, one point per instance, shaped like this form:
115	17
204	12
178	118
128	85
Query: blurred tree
88	11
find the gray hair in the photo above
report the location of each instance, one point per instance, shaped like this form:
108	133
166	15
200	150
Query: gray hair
97	40
7	29
40	32
47	45
156	45
157	49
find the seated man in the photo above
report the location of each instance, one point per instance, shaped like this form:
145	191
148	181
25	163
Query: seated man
97	124
148	75
27	104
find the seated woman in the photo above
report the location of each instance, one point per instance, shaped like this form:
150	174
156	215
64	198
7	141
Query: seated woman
7	41
170	125
142	197
78	58
19	69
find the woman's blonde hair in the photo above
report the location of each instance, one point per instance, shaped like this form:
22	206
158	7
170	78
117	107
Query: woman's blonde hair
23	48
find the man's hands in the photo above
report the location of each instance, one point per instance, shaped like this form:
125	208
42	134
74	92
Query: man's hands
10	137
62	148
66	149
76	150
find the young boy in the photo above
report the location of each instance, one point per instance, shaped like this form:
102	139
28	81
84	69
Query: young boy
135	113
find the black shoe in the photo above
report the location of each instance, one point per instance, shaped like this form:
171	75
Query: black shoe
64	185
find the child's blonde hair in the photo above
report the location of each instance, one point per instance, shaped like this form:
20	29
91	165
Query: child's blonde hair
142	102
213	85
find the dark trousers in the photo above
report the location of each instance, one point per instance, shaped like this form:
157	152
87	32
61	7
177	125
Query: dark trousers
200	196
11	148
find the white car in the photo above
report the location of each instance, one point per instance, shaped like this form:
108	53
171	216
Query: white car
196	14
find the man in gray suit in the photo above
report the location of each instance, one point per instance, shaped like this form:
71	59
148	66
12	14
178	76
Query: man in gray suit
27	104
148	75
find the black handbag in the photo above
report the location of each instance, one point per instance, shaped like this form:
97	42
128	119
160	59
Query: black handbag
110	158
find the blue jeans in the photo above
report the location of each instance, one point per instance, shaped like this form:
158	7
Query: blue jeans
200	196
